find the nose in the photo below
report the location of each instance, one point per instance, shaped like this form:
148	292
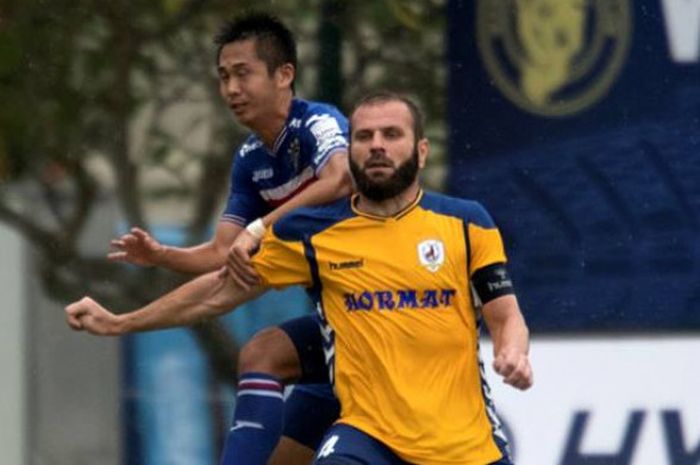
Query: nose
377	142
231	87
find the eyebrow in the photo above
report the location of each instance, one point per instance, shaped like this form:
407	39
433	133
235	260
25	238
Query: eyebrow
381	128
237	65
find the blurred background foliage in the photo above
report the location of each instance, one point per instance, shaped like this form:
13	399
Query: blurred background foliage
116	103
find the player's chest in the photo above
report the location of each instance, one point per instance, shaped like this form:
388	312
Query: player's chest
289	163
393	255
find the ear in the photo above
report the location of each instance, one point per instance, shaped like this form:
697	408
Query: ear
423	151
285	75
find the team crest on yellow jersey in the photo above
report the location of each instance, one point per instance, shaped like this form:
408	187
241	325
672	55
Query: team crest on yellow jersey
553	57
431	254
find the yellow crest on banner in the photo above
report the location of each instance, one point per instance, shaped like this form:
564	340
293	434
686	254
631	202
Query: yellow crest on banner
553	57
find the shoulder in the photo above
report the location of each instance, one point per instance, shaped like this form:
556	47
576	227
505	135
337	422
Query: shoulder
312	113
308	221
470	211
244	156
249	145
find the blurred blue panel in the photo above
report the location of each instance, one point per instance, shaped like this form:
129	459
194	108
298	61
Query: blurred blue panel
169	393
596	186
171	388
271	308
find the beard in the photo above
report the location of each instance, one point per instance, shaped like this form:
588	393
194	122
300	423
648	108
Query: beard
382	189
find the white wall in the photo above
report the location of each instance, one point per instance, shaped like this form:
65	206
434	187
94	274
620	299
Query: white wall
645	388
12	360
74	381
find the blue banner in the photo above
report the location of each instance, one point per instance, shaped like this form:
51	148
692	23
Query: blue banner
577	124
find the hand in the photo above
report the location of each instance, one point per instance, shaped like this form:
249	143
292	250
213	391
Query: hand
238	262
137	247
515	368
88	315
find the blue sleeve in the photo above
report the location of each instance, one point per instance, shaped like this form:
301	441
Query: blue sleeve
469	211
244	203
326	132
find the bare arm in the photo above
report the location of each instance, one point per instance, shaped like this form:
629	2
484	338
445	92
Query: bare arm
205	297
511	340
140	248
205	257
334	182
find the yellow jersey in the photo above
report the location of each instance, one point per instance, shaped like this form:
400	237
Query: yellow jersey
399	318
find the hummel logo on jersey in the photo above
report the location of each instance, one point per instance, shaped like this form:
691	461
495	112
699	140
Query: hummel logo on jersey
346	265
503	283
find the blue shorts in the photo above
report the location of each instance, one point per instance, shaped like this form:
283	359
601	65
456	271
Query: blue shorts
345	445
309	411
311	407
305	333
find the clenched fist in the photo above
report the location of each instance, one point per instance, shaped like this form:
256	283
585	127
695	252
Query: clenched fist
88	315
515	368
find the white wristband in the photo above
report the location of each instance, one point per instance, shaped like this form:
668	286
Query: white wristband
256	228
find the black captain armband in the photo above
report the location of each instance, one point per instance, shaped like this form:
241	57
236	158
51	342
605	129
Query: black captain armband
492	281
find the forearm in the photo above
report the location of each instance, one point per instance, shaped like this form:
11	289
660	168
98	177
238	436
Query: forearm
197	260
322	191
205	297
511	341
506	325
202	258
512	334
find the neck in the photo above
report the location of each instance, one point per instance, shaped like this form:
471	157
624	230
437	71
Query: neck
389	207
272	123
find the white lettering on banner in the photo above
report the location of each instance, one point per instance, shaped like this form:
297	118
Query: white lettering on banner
678	452
604	400
682	18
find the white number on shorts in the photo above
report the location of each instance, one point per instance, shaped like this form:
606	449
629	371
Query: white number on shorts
328	446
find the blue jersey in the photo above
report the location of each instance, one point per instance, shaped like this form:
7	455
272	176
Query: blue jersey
264	178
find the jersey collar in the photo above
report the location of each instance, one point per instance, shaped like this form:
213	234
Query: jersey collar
285	129
405	211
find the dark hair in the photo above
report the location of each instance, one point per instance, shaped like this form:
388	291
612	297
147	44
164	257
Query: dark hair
274	43
384	96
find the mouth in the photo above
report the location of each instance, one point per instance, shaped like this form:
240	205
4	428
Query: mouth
238	108
378	164
379	169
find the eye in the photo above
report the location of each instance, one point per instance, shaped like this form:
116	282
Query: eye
392	133
362	135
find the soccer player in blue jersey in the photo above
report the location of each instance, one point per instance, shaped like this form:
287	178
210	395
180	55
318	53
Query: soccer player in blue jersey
296	155
402	279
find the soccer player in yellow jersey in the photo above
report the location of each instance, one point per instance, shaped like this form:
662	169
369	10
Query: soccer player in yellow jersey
402	279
